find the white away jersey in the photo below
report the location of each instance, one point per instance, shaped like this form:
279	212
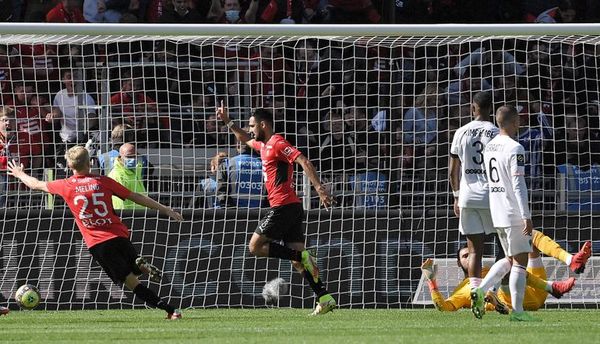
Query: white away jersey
468	144
505	169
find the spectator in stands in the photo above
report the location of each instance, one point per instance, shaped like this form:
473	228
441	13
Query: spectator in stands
471	82
75	113
127	171
337	149
181	14
111	11
353	12
208	186
582	142
6	150
37	61
533	133
31	132
120	134
240	179
419	124
365	137
66	11
139	111
215	134
564	13
4	76
229	11
274	11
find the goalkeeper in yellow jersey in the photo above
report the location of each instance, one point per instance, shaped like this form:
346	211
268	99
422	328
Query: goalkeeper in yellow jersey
537	288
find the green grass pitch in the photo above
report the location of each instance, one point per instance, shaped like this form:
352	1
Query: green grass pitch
294	326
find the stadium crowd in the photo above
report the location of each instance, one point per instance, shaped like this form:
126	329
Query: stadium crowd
362	110
301	11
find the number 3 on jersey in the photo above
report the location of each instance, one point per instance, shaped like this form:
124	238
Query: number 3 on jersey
99	205
478	158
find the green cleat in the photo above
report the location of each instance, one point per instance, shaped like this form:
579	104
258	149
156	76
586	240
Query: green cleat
477	302
326	304
309	261
523	316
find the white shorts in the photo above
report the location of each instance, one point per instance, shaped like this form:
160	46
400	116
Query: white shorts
513	240
475	221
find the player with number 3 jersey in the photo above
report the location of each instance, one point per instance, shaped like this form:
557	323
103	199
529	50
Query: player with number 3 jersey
89	198
471	202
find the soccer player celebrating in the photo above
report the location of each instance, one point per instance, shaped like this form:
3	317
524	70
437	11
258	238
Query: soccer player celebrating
537	288
89	197
284	220
505	165
471	202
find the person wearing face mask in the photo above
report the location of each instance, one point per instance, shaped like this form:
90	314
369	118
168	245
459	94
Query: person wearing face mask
127	171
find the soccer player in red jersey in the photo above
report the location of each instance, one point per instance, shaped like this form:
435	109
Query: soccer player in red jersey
283	223
89	197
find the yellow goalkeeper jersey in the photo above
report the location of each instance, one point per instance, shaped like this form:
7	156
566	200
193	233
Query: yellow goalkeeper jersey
460	297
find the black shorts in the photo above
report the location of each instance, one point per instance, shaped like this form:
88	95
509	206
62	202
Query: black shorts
283	223
117	258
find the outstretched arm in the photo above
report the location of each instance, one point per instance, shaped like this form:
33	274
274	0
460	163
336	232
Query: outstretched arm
239	133
18	171
152	204
326	199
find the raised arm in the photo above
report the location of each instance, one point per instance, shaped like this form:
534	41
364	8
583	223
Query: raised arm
239	133
326	199
18	171
152	204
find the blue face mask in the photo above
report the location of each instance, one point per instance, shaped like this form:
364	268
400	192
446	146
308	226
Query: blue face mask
130	163
232	16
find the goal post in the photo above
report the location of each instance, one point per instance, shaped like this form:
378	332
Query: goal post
373	107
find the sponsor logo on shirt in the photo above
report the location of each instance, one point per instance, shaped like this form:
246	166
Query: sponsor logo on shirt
474	171
497	189
287	151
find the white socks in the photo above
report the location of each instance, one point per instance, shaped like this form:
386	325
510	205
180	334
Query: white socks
496	273
516	283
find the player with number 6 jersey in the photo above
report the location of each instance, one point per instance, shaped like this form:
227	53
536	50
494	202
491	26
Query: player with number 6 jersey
471	202
505	168
89	198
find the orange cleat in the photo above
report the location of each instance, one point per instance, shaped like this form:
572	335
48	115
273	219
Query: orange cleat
560	288
580	258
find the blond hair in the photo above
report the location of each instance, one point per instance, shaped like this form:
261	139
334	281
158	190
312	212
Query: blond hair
78	158
6	111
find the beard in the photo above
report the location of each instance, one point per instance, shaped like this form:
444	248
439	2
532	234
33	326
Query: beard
260	136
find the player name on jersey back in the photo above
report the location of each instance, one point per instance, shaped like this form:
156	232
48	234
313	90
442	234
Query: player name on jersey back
504	163
468	144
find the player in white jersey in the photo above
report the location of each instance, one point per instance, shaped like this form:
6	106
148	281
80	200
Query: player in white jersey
471	202
505	169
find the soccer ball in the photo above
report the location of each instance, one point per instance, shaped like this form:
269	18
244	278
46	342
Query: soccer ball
273	290
28	296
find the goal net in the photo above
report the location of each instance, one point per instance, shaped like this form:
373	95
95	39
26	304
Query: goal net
374	113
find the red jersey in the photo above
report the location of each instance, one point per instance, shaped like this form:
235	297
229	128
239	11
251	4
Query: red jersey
90	199
278	158
60	15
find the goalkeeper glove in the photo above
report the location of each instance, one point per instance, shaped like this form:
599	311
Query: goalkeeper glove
429	269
